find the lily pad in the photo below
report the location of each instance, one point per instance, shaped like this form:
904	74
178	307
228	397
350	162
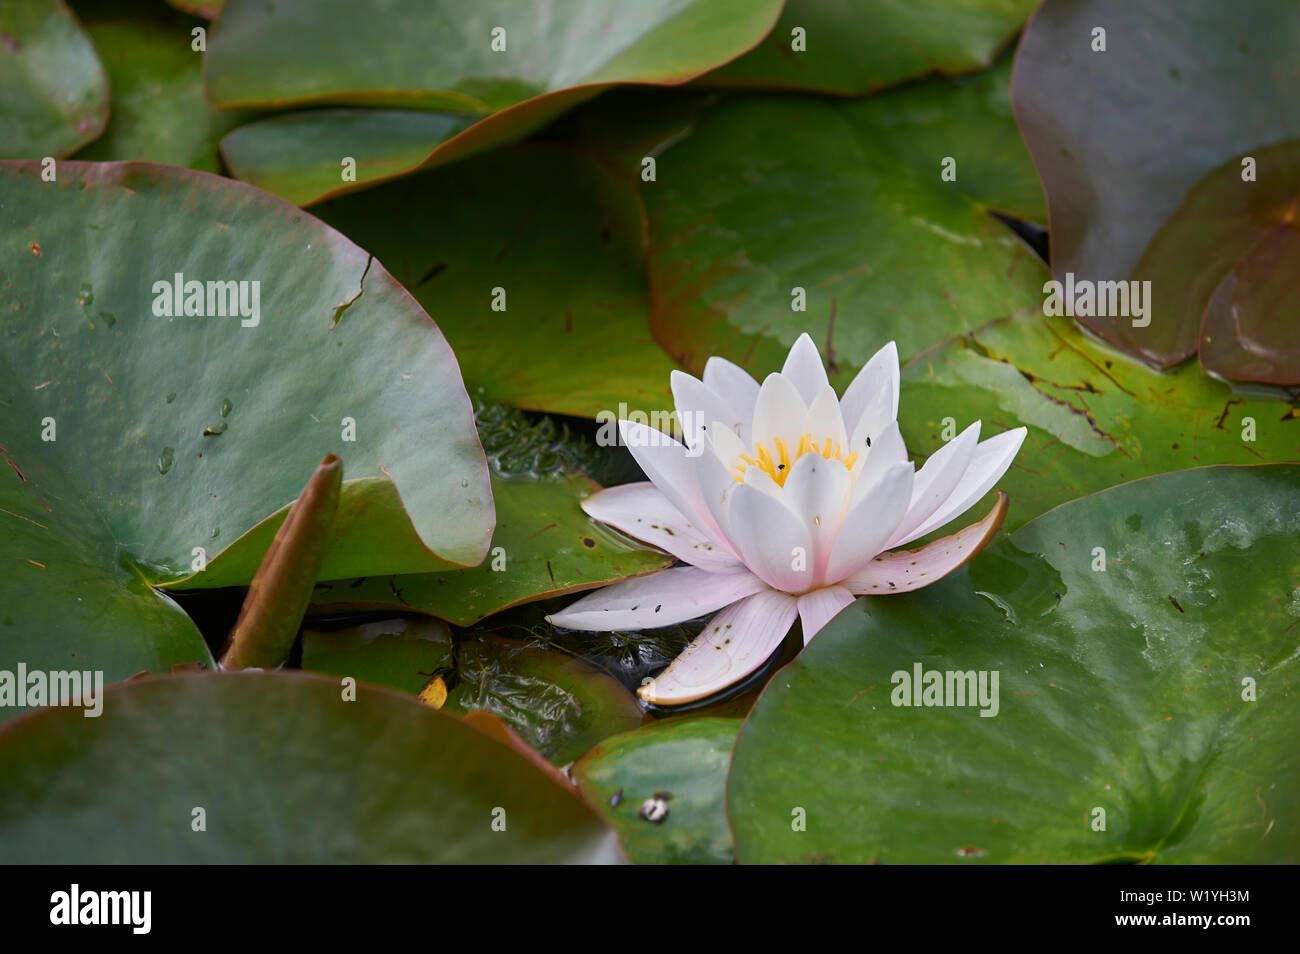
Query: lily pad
557	704
544	546
444	56
194	424
401	654
901	253
1113	178
1228	254
686	760
852	47
158	110
562	238
1095	417
1144	712
53	89
285	772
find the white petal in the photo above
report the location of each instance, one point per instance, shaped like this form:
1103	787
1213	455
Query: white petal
658	599
666	463
803	367
819	607
772	541
880	372
716	484
823	419
779	412
900	571
987	465
873	421
726	445
886	450
698	407
641	510
870	523
936	481
817	490
734	385
734	644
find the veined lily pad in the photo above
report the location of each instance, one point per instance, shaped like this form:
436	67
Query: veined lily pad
561	238
544	545
1199	86
53	89
773	202
1145	640
1095	417
139	445
684	761
557	704
852	47
256	768
518	66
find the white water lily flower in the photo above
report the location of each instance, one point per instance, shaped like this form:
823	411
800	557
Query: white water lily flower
784	501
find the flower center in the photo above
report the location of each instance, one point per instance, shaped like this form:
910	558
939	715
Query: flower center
776	463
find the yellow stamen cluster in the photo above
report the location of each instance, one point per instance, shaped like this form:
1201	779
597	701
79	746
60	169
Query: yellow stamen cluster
777	466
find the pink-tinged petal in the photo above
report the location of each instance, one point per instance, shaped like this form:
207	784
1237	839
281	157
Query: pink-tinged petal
641	510
987	465
698	407
734	644
779	412
772	541
881	372
736	385
817	490
900	571
819	607
887	449
658	599
870	523
823	420
667	464
936	481
803	367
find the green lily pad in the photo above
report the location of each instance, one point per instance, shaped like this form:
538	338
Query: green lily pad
439	56
285	772
557	704
1218	80
158	110
304	156
852	47
562	239
902	254
138	440
53	89
1095	417
1144	712
544	546
401	654
685	758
